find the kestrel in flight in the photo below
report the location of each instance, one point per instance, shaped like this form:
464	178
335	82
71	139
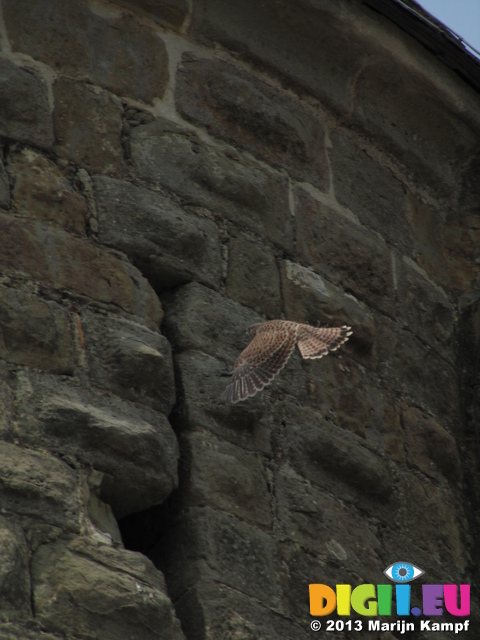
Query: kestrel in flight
271	347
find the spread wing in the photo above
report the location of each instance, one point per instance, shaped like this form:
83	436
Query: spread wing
259	363
316	342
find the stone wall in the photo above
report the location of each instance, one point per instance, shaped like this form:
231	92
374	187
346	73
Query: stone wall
171	172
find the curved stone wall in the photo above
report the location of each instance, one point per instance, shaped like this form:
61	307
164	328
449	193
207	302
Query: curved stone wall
170	173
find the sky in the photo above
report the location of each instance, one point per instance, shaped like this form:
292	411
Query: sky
462	16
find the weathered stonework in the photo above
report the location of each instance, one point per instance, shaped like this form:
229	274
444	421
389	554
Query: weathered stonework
172	172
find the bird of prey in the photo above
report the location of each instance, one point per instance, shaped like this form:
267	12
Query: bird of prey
272	345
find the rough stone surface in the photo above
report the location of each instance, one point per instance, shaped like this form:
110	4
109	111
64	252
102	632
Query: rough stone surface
311	299
235	106
430	447
35	332
24	110
172	172
38	485
170	245
225	477
323	455
223	182
169	13
133	447
113	595
113	52
298	44
88	127
199	318
409	110
41	191
14	572
4	188
240	556
252	277
426	308
334	245
111	280
370	191
129	360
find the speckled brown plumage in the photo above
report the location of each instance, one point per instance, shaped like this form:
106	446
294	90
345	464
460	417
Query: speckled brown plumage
272	345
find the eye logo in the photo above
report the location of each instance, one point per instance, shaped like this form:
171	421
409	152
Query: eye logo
403	572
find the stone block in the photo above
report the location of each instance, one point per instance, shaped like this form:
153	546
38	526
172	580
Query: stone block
77	40
4	187
169	245
252	277
320	524
430	447
100	592
77	266
6	400
232	185
201	380
41	191
223	476
13	631
300	568
222	548
415	118
326	455
425	309
133	446
432	523
315	46
168	13
14	573
426	223
469	187
314	300
341	392
39	485
129	360
408	366
251	114
35	332
334	245
88	127
369	190
202	319
228	613
24	110
462	242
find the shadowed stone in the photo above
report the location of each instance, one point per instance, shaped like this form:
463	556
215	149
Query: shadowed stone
336	246
40	486
35	332
130	360
239	555
24	109
106	592
430	447
134	447
252	277
88	127
225	477
41	191
78	265
240	108
79	41
4	187
169	245
230	184
14	572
